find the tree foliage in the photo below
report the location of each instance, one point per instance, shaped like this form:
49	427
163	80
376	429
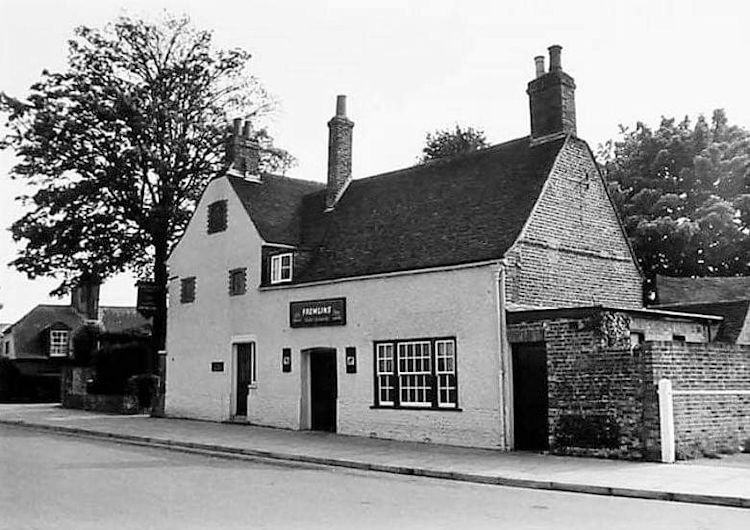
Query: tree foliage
445	143
683	192
118	147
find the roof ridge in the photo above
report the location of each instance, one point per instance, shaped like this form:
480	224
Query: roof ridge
444	160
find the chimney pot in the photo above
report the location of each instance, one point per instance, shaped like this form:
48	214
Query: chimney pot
539	63
341	106
246	129
339	153
554	58
236	126
551	99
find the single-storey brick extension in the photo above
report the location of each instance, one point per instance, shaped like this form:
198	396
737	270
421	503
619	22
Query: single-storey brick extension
417	304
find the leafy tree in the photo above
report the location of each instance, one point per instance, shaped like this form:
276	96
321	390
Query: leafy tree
683	192
118	147
445	143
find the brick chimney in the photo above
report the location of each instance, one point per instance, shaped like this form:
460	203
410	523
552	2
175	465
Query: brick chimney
339	153
85	297
551	99
244	152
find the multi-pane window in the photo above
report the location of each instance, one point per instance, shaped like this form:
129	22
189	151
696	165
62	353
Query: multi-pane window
58	343
281	268
237	281
384	373
217	216
187	290
416	373
447	387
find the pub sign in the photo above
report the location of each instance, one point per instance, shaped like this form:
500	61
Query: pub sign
311	313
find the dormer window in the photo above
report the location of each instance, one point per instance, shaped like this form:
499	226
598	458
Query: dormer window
281	268
58	343
217	217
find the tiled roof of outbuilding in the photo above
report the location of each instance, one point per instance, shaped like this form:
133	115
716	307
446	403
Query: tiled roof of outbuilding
693	290
735	314
124	320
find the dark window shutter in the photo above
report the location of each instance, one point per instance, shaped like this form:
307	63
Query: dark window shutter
217	216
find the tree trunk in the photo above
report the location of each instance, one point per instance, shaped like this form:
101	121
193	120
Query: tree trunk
159	336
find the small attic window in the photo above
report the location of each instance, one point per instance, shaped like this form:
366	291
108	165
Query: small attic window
187	290
281	268
217	216
58	342
237	281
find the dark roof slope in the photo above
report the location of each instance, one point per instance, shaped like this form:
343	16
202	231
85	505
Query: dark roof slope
735	314
465	209
275	205
27	330
124	320
693	290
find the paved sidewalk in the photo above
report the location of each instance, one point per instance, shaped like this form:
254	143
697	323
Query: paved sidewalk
726	485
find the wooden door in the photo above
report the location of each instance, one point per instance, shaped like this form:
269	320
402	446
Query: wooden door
323	390
245	367
530	401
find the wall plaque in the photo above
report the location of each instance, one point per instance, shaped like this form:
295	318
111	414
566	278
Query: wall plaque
286	360
310	313
217	366
351	360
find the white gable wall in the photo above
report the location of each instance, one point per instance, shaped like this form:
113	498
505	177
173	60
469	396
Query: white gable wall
198	332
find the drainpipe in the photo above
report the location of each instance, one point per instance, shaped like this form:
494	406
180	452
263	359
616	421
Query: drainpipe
506	381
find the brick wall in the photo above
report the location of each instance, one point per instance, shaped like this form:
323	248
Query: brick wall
594	384
705	422
573	251
603	393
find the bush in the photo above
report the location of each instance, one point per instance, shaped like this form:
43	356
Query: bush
10	380
114	364
85	341
143	387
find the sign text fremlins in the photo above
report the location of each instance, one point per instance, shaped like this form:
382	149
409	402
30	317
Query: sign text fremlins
330	312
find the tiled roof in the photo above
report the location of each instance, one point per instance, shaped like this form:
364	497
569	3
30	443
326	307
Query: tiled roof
460	210
275	205
27	331
693	290
120	320
735	314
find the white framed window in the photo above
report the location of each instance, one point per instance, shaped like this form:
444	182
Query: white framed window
414	374
384	369
419	373
58	343
281	268
447	388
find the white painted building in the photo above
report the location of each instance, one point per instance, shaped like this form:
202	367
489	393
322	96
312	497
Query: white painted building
376	306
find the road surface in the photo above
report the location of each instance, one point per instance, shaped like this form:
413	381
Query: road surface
54	481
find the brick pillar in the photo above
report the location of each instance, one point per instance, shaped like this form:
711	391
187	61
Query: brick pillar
552	99
339	153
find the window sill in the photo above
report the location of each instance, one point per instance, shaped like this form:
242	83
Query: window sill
432	409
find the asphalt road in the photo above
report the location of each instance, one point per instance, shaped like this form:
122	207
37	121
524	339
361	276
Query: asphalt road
54	481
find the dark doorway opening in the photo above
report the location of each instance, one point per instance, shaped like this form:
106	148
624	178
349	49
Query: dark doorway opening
530	402
323	390
245	374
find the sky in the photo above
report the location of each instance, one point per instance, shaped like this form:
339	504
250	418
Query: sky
409	67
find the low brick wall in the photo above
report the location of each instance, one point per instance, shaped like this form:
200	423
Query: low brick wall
74	394
709	418
603	397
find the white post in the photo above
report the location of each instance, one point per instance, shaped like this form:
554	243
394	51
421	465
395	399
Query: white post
666	421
